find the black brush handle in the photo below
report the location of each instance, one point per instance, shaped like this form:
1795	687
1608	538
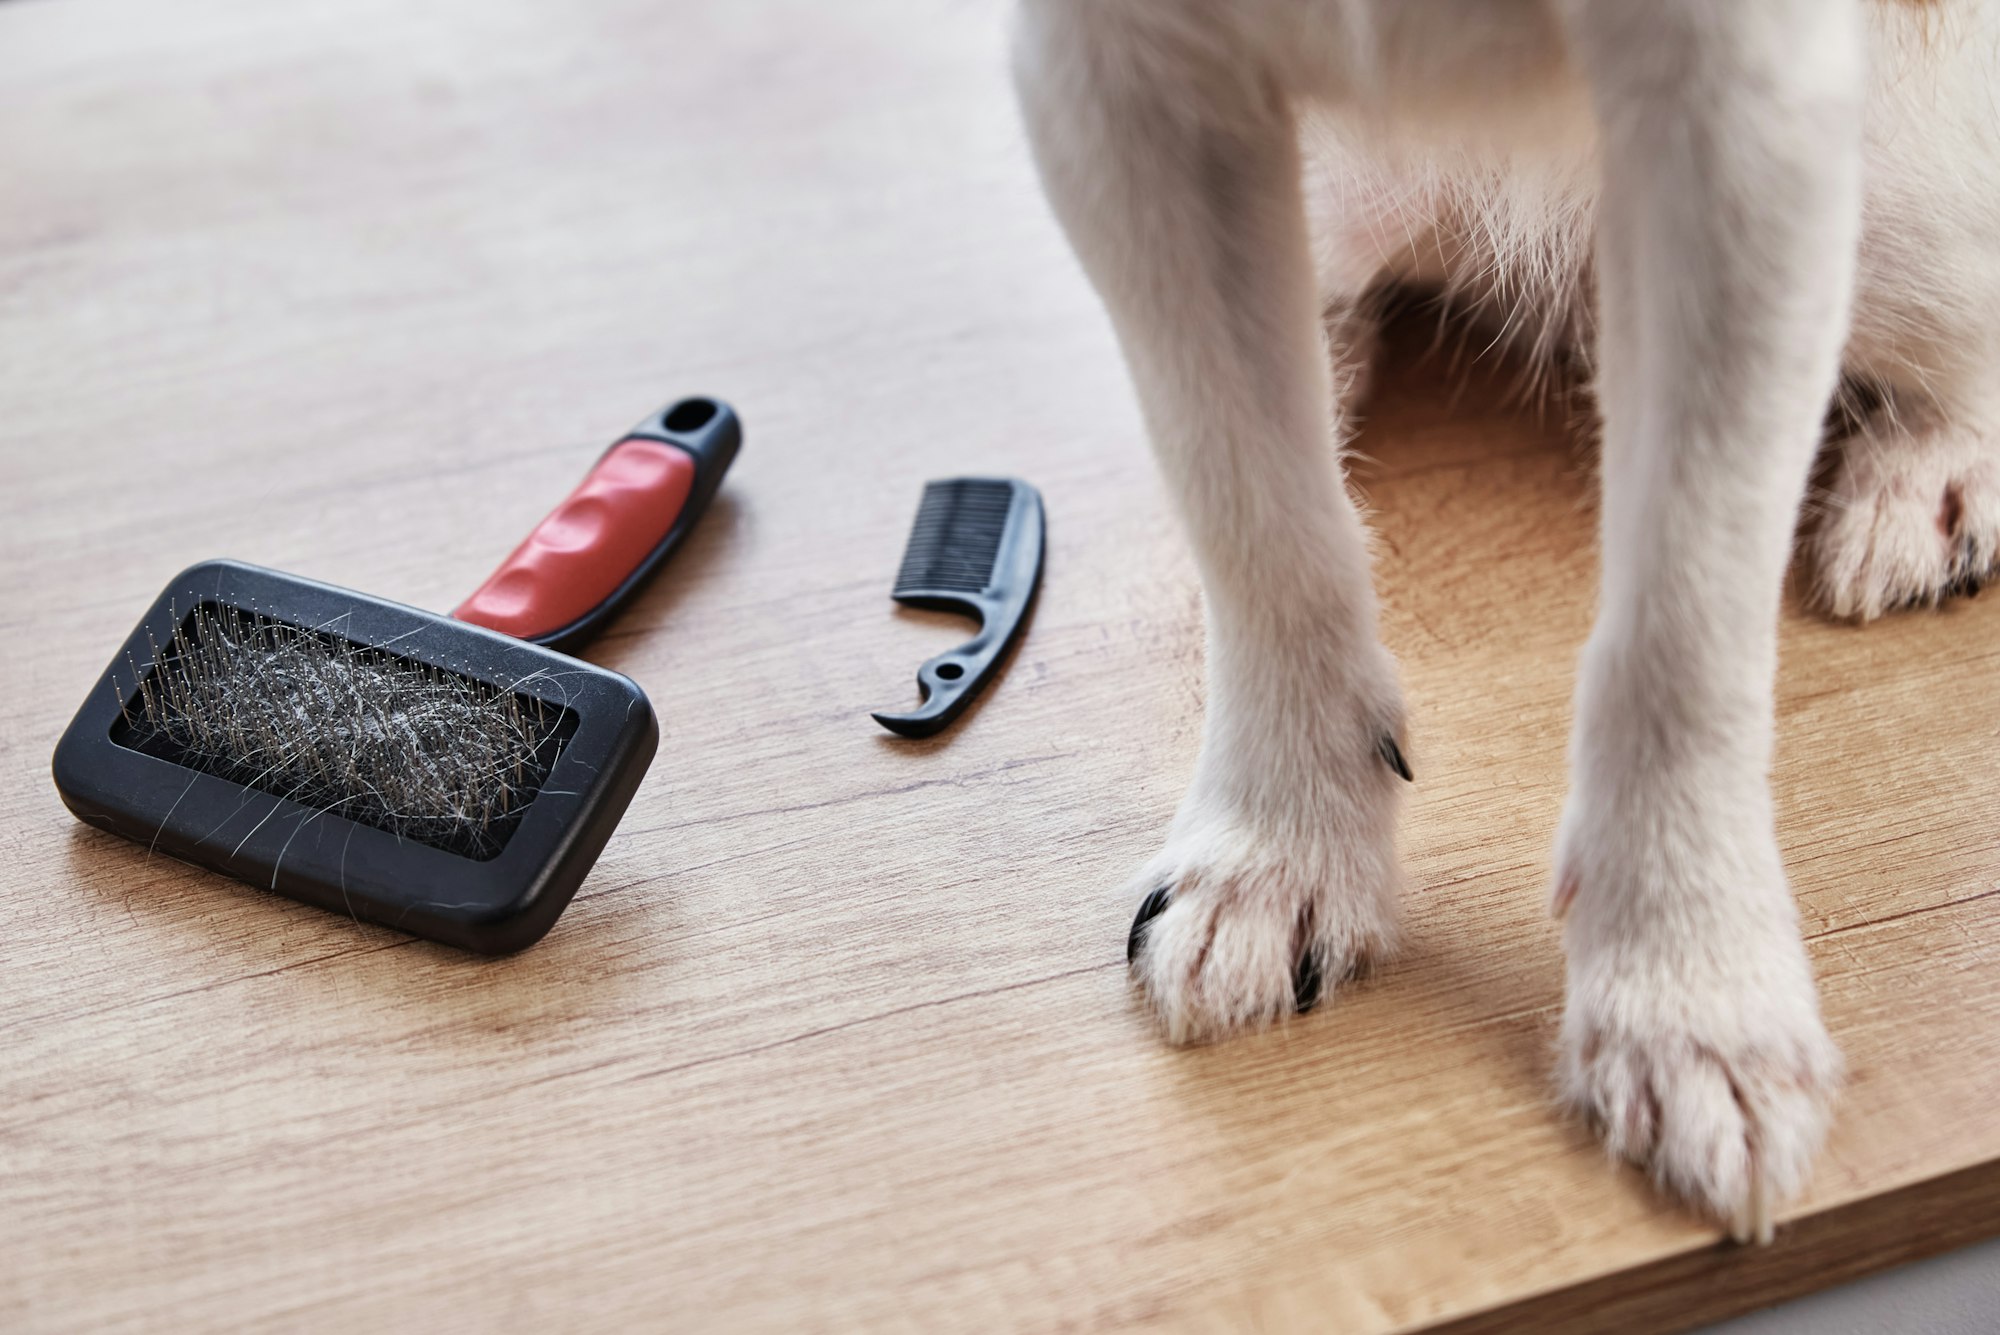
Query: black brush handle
948	683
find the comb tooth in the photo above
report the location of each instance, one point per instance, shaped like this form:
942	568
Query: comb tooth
956	536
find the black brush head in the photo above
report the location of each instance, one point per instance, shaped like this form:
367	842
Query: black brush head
976	549
356	754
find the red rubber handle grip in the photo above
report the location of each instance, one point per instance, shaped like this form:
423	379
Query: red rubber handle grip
579	556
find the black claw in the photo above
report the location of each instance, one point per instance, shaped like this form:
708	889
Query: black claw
1393	754
1307	977
1155	905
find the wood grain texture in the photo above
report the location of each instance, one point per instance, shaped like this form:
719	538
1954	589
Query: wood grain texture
837	1034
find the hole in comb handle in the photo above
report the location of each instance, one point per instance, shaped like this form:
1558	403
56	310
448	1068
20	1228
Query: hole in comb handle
975	549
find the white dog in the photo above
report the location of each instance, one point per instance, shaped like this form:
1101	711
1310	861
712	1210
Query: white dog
1737	201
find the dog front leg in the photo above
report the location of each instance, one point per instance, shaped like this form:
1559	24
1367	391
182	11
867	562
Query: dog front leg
1731	203
1168	152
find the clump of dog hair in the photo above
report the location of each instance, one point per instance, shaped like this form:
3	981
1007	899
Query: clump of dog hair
420	751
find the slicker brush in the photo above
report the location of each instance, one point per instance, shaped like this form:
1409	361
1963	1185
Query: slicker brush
455	777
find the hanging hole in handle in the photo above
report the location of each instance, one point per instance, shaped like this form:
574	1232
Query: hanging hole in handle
950	671
689	415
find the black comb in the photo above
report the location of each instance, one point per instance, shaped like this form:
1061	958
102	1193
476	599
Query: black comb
975	549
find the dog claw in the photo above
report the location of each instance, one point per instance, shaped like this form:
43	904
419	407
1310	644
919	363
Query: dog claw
1565	892
1393	756
1307	979
1155	905
1755	1221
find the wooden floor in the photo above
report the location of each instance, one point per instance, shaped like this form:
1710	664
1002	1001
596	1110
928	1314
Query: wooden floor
838	1033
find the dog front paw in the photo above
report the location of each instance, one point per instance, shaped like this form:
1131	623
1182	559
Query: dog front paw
1692	1039
1244	922
1730	1130
1236	931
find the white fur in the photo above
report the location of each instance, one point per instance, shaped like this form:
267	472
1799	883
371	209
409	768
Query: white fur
1697	196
